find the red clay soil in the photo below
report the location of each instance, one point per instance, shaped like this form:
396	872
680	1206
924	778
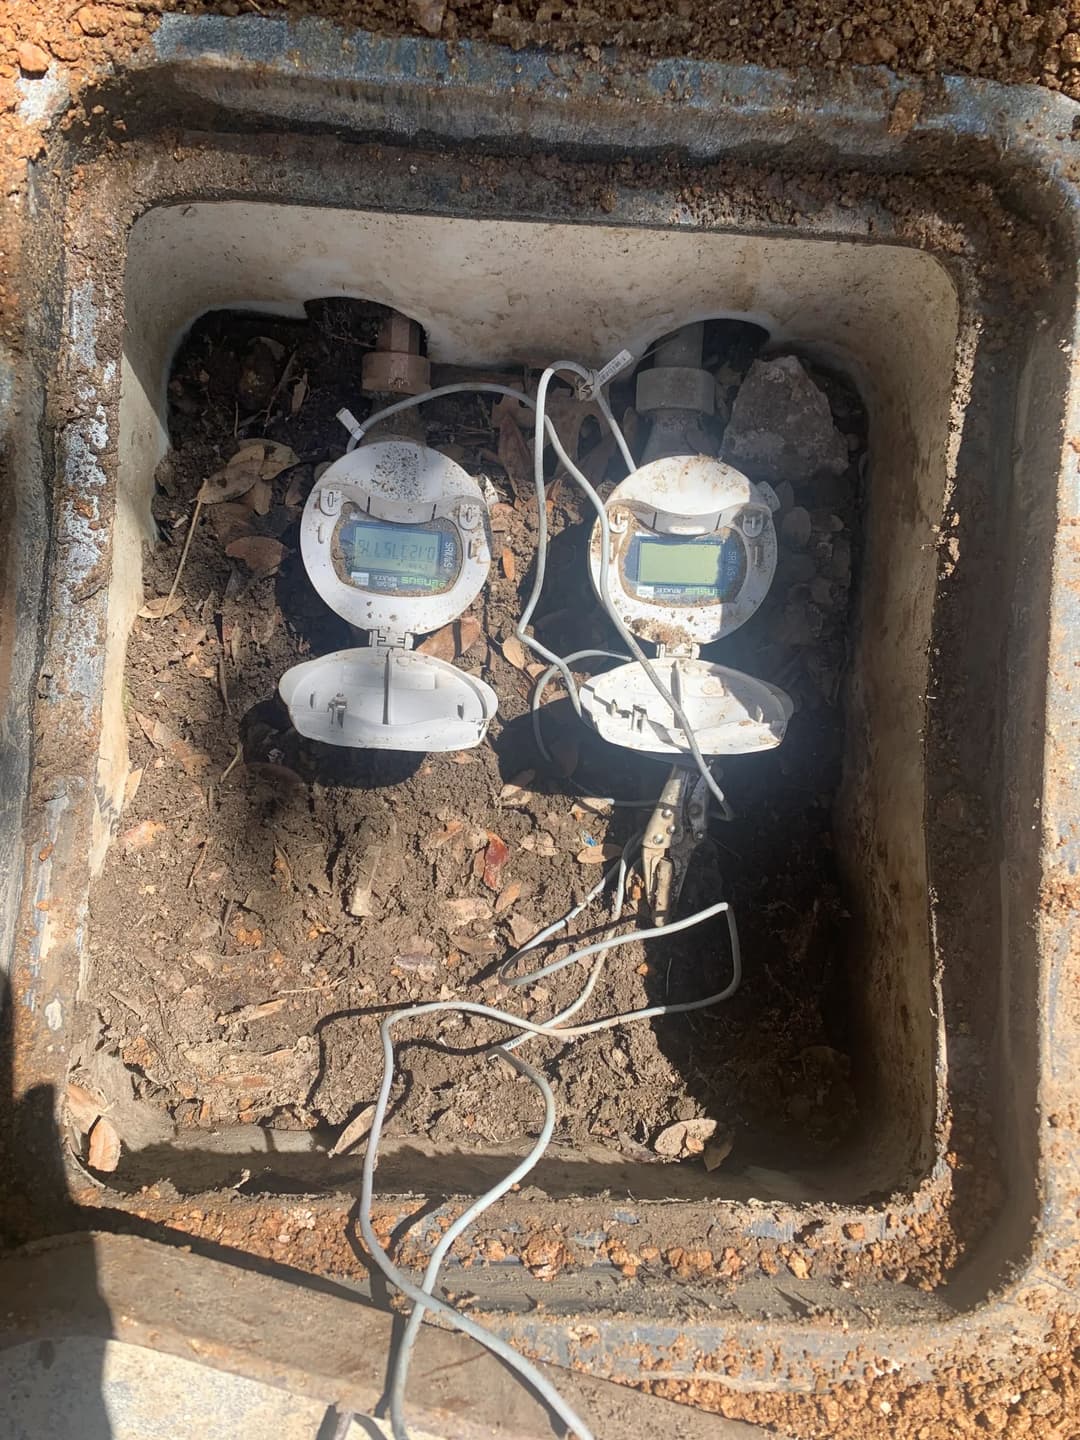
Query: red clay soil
1016	41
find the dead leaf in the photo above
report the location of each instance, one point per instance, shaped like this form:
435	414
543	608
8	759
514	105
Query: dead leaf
515	793
568	414
83	1107
104	1149
299	395
462	757
507	896
229	520
261	554
541	844
143	835
453	639
453	828
514	454
467	910
501	516
355	1131
161	606
294	495
598	854
522	928
507	406
255	460
131	785
259	498
194	761
258	1011
685	1137
514	652
495	857
718	1149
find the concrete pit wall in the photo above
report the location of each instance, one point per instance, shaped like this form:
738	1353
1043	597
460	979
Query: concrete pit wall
502	293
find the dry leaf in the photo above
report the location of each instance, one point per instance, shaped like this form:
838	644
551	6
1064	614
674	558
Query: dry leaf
229	520
428	14
260	497
515	792
514	454
685	1137
256	460
299	394
501	515
509	565
522	928
276	348
453	639
495	857
568	414
507	406
514	652
259	553
718	1149
462	757
468	910
453	828
541	844
104	1149
161	606
441	644
507	896
141	836
193	761
294	495
83	1107
355	1131
131	785
598	854
253	1012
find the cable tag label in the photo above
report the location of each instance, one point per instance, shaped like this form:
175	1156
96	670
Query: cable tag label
614	367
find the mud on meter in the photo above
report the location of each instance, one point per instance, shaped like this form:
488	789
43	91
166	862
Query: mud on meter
395	538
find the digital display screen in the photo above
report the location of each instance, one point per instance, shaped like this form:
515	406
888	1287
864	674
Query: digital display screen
392	549
676	562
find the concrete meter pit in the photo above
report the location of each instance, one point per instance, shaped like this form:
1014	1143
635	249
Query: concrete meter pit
197	979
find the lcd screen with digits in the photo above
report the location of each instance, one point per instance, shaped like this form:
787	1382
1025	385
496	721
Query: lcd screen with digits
666	562
396	550
666	570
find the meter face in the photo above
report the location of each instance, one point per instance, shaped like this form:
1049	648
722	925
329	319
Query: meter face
669	570
393	559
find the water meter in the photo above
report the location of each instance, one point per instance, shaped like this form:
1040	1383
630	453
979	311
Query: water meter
692	554
395	538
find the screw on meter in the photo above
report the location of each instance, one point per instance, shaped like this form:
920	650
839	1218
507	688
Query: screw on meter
395	539
693	550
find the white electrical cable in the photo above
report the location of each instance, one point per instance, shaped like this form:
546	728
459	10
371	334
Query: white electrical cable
423	1297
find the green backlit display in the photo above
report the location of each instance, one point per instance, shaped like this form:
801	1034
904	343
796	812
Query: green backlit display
392	549
663	562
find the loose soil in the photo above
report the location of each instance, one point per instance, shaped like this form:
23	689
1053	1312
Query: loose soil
228	972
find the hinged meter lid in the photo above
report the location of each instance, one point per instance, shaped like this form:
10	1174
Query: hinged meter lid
387	698
731	713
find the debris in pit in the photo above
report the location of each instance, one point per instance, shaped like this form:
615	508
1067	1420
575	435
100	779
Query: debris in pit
684	1139
358	1128
103	1147
781	426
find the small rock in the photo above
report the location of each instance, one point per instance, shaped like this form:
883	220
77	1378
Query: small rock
685	1137
428	14
830	45
796	529
33	60
781	427
798	1266
92	20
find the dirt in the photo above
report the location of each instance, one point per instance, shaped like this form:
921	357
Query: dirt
228	971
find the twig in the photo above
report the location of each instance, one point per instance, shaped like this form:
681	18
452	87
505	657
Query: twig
183	556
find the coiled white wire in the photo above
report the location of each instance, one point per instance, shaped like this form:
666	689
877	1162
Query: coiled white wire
423	1296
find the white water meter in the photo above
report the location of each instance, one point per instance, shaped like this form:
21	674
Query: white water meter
692	555
396	540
